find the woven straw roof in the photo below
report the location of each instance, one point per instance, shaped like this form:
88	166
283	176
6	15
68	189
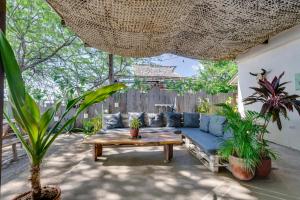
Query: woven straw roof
206	29
155	71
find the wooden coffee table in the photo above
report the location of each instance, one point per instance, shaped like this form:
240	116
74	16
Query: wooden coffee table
122	139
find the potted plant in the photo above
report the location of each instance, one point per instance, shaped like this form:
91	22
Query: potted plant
90	126
241	149
276	102
204	106
135	124
39	126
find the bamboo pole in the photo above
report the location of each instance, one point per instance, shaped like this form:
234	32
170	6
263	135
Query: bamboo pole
3	28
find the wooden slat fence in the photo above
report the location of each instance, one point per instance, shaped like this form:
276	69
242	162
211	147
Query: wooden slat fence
137	101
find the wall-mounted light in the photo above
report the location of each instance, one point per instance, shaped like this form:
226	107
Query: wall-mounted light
85	115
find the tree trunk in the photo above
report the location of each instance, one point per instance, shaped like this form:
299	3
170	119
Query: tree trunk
2	28
111	80
36	182
111	68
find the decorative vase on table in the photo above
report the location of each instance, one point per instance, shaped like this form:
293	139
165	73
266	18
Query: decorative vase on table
135	124
134	132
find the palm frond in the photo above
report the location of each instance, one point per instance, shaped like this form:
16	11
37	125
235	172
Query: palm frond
27	112
244	142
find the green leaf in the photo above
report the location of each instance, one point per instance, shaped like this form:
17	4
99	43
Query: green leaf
276	102
19	135
27	113
12	71
46	119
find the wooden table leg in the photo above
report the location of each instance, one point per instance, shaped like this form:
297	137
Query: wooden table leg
168	151
97	151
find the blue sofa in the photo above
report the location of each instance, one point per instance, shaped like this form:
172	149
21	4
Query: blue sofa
209	143
202	138
205	142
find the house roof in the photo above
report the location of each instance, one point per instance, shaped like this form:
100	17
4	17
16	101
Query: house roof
157	71
205	29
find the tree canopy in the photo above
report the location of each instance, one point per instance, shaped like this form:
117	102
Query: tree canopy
212	78
215	76
55	63
52	58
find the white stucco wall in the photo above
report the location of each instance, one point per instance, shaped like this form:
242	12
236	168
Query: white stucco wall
282	53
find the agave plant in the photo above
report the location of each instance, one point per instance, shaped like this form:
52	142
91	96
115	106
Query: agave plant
36	124
276	102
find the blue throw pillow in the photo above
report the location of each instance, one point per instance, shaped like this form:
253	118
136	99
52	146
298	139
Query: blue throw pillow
228	134
155	120
111	121
191	120
216	125
173	119
140	116
204	123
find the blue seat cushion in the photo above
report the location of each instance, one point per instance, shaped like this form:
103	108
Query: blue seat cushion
140	116
142	130
111	121
191	120
209	143
228	134
155	119
173	119
204	122
216	125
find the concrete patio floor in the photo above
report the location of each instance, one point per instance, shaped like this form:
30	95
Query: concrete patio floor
140	173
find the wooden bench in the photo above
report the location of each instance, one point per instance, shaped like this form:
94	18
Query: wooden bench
212	162
13	141
9	139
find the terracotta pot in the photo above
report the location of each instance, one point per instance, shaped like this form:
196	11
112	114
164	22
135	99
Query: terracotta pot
238	169
57	197
134	132
264	169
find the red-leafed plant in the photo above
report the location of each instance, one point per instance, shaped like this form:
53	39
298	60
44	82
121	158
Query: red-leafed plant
276	101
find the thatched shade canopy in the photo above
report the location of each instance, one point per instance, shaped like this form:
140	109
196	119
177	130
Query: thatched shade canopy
206	29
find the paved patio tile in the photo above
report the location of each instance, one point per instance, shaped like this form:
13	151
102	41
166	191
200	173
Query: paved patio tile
140	173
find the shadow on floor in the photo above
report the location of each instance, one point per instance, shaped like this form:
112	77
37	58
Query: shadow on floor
140	173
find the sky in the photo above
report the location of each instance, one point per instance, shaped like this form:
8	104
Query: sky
184	66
